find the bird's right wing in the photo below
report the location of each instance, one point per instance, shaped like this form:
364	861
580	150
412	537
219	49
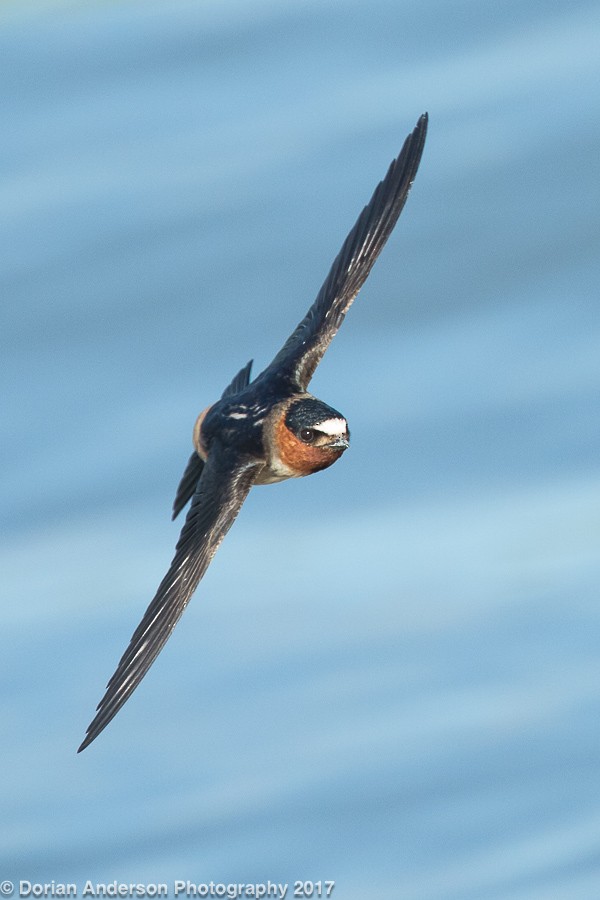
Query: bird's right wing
188	484
223	487
193	470
241	380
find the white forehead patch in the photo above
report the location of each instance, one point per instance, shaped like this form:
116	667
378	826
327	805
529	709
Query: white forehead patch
333	426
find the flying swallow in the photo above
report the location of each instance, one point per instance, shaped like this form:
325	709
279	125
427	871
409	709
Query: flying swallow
262	431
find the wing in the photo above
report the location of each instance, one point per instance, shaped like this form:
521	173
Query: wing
193	470
241	380
188	483
218	498
302	352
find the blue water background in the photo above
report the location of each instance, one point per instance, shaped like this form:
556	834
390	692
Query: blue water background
390	676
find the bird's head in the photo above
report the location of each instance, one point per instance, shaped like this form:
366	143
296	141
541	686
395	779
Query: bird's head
311	435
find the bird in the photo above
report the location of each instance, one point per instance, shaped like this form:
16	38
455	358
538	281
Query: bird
262	431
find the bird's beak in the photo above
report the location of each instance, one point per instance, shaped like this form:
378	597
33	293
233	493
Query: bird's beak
339	443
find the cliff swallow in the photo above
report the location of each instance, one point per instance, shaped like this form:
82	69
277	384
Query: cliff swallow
262	431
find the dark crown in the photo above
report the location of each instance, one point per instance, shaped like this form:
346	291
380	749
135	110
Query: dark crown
308	412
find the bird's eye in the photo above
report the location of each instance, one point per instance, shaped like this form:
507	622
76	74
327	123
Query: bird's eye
307	435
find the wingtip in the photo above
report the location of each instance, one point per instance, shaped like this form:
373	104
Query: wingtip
414	145
85	743
421	126
93	731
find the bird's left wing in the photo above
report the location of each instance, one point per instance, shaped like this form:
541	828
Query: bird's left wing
302	352
223	487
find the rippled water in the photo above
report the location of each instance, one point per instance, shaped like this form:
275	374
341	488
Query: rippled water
390	675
